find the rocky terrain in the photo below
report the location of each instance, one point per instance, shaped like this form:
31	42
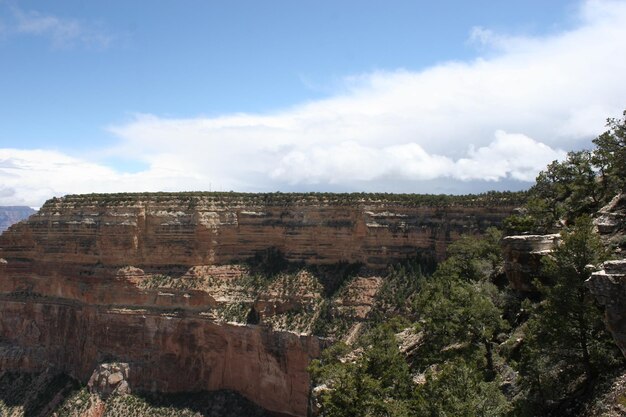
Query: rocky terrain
200	291
609	287
522	263
609	283
12	214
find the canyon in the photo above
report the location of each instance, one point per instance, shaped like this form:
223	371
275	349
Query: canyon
163	282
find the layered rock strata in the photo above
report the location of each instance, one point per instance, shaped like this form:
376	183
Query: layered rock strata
205	229
165	352
144	279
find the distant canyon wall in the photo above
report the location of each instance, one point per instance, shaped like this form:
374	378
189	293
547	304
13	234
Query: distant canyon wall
180	229
73	293
10	215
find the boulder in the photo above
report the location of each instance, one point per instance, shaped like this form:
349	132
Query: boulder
110	379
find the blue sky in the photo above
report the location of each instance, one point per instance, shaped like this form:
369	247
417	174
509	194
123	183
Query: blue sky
400	96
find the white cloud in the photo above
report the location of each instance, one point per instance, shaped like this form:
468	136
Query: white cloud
29	177
62	32
501	118
512	156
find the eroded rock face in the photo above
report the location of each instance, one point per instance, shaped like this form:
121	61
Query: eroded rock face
609	284
522	258
110	379
140	280
609	287
165	352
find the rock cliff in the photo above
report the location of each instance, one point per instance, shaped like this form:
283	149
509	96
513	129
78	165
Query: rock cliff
151	280
205	229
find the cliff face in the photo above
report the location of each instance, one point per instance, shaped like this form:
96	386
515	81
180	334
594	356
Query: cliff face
159	230
165	352
609	287
12	214
147	279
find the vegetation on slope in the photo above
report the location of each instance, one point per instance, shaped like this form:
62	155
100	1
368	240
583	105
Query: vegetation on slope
581	184
479	347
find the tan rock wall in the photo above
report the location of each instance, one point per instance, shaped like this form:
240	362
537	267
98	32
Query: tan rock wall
74	283
169	231
165	353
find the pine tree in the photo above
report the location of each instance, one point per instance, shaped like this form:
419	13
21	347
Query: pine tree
567	340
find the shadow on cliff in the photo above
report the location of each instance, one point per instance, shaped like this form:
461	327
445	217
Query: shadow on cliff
271	262
37	393
44	394
222	403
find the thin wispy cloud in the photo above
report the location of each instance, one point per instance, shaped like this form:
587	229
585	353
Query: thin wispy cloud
62	32
483	37
483	122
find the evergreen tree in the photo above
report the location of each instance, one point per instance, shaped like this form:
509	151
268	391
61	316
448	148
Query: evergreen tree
458	318
564	191
457	389
567	340
377	384
458	306
610	156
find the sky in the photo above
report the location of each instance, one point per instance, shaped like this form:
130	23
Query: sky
340	96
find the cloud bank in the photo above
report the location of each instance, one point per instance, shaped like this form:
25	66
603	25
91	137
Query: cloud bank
494	119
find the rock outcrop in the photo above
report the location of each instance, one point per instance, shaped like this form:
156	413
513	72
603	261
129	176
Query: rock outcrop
110	379
522	258
609	287
611	219
10	215
144	280
609	284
